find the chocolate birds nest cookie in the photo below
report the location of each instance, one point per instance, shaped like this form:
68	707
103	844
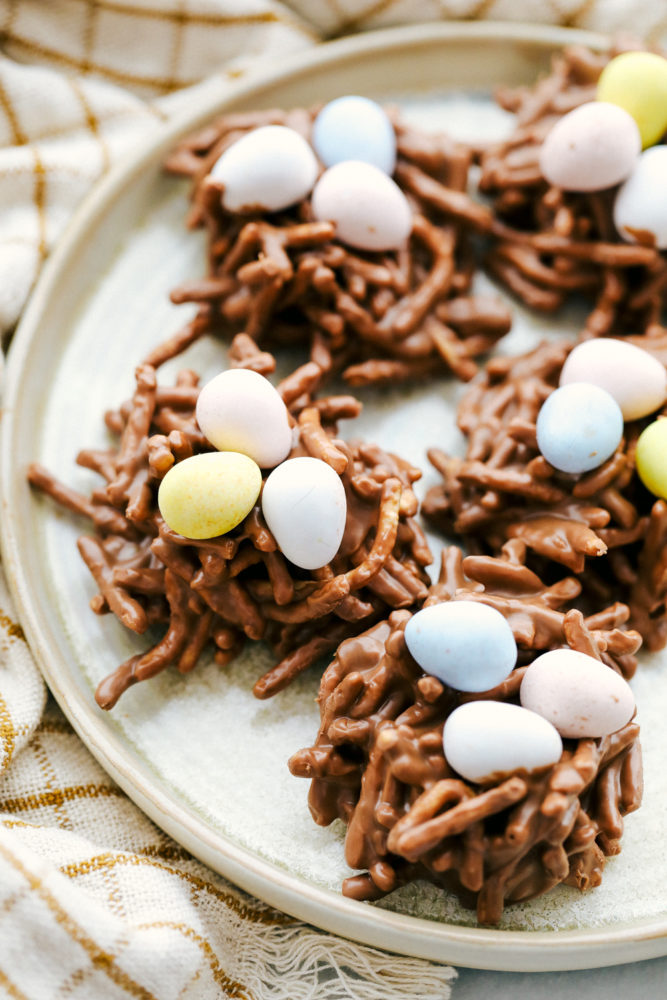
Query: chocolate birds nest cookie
378	761
216	592
288	277
603	524
555	236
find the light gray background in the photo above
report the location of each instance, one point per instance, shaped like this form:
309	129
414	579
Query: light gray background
639	981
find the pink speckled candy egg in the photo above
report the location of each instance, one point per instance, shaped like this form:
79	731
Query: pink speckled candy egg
635	379
239	410
577	694
368	208
593	147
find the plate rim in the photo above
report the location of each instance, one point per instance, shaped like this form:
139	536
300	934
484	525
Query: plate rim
482	948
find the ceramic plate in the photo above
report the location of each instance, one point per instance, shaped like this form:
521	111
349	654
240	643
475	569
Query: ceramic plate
204	759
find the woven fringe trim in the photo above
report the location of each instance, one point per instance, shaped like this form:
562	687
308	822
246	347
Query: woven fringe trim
306	964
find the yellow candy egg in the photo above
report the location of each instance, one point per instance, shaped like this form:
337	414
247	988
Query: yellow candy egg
651	457
207	495
637	82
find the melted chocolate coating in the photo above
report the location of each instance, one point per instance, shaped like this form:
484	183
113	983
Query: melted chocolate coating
222	590
603	525
378	762
285	279
549	245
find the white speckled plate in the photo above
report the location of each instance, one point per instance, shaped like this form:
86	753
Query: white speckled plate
199	754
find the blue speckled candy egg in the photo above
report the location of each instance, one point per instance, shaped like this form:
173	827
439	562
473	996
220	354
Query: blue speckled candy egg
355	128
466	644
579	427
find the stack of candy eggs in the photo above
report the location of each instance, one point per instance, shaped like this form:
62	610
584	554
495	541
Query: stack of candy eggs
603	383
564	694
207	495
273	168
599	145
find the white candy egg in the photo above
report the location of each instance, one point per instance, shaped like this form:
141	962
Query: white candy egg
304	505
368	208
591	148
636	380
640	208
239	410
486	738
355	128
579	427
267	169
466	644
578	694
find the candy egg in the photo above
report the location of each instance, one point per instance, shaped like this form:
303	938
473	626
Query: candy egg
355	128
636	380
304	505
651	457
483	739
591	148
239	410
640	207
265	170
578	694
368	208
579	427
206	495
466	644
637	82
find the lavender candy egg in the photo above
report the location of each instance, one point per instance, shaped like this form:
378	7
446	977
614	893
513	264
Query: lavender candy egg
267	169
579	427
578	694
239	410
640	208
355	128
593	147
304	505
636	380
466	644
368	208
485	739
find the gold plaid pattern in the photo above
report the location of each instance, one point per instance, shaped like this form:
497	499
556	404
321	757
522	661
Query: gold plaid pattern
116	909
111	70
338	17
81	81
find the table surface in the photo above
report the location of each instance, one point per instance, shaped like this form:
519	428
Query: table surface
639	981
